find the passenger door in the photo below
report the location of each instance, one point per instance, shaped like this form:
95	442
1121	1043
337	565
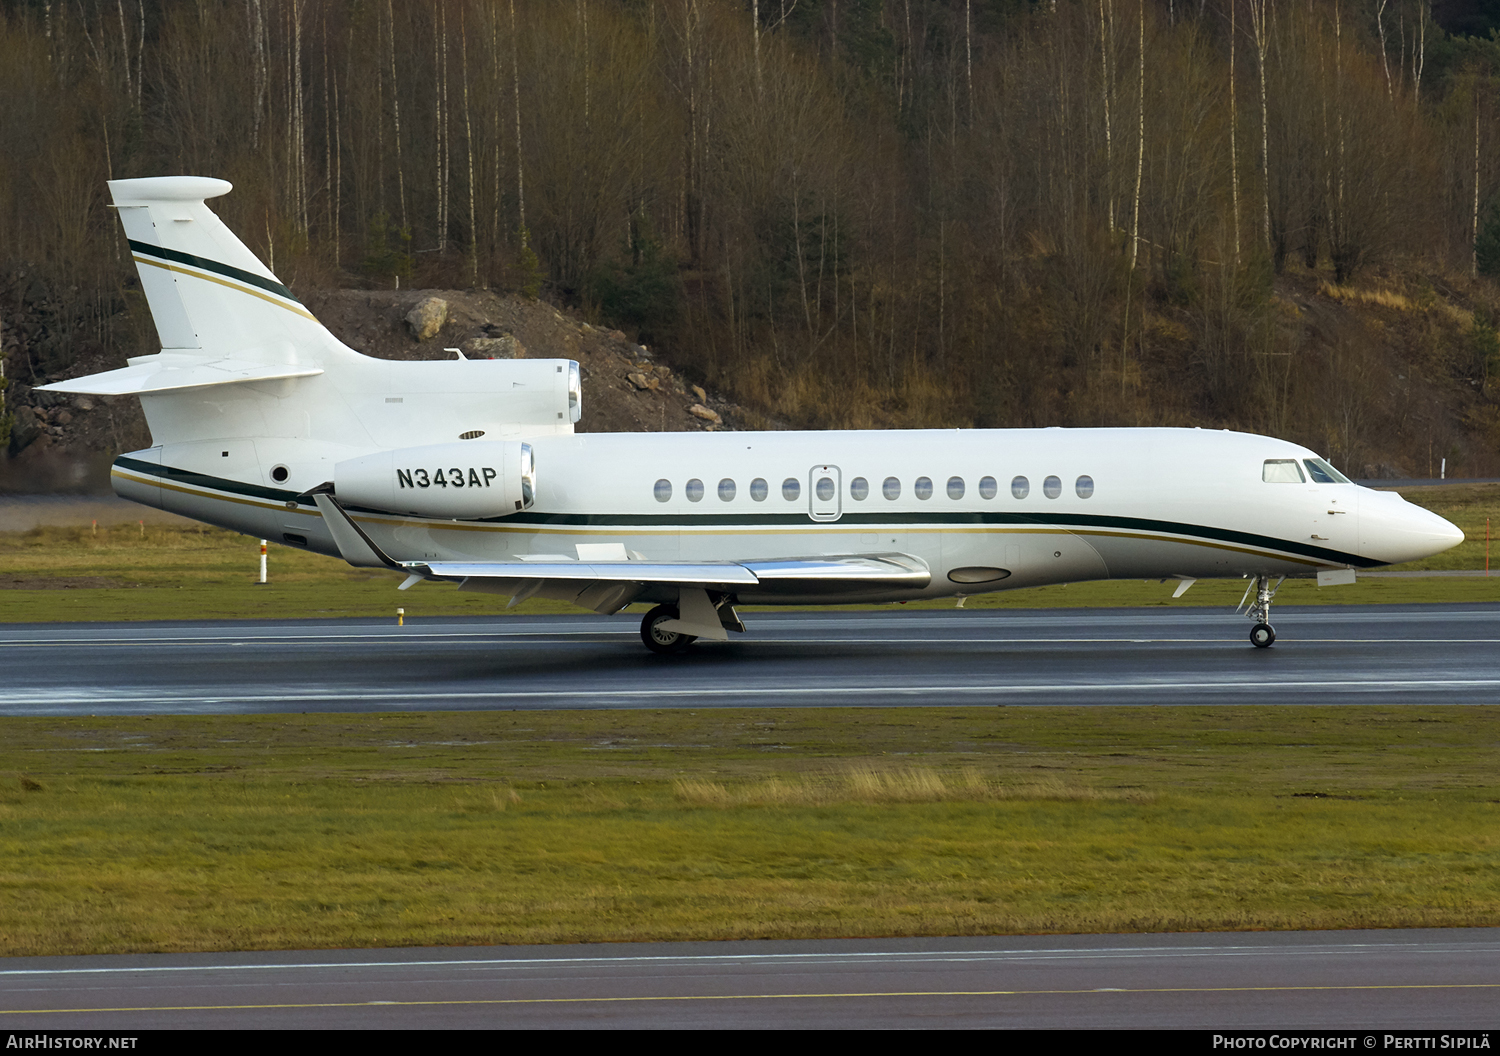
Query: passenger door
824	493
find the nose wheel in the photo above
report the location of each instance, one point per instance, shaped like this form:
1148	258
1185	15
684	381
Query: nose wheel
1261	635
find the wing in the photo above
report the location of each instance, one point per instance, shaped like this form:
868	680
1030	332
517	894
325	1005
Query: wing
607	586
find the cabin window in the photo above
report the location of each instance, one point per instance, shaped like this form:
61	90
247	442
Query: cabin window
922	488
1084	487
1052	487
824	488
955	487
891	488
1322	473
1282	471
1020	487
694	490
726	490
759	489
988	487
859	489
663	490
791	487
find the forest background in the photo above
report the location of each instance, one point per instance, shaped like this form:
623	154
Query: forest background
1274	215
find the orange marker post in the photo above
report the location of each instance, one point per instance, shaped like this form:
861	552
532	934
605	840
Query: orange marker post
262	561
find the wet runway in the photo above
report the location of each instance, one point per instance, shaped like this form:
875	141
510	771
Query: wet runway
1330	655
1363	982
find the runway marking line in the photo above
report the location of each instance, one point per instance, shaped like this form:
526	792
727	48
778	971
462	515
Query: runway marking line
797	959
34	698
500	638
761	997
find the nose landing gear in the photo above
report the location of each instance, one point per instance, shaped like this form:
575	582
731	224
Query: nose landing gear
1262	634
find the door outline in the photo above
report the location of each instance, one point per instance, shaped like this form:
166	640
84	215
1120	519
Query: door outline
821	509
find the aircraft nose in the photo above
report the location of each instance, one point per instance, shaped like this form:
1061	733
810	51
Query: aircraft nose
1395	530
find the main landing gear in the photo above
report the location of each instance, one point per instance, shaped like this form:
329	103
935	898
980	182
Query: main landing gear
1262	634
659	639
697	614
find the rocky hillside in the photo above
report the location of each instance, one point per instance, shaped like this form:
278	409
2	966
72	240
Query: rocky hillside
65	443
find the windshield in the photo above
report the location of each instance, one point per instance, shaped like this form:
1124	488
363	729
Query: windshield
1322	473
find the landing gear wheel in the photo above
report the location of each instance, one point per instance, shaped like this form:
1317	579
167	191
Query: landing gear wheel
1261	635
663	641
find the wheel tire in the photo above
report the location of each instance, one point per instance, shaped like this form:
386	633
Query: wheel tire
660	641
1261	636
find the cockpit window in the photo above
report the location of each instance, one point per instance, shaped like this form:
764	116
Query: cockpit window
1322	473
1282	471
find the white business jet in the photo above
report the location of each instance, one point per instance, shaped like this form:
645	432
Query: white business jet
470	472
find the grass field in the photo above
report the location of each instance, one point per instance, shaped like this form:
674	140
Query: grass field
129	572
277	832
266	832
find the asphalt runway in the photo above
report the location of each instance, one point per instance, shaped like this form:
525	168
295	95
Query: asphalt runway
1330	655
1357	981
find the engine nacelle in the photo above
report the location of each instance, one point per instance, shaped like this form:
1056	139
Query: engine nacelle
465	481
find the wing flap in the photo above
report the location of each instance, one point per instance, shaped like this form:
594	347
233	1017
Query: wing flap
892	570
725	573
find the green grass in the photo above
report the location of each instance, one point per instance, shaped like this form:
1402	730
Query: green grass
168	572
265	832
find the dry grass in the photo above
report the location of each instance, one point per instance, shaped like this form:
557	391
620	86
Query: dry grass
808	394
859	783
1355	295
1395	301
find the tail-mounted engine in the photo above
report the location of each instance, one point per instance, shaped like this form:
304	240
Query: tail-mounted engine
464	481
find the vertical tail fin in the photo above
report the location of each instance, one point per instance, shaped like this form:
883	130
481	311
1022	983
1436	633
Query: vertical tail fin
208	293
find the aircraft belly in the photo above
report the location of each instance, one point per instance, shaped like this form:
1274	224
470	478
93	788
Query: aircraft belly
130	487
1033	558
262	521
1137	556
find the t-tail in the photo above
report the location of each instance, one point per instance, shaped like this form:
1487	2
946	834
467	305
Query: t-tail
251	395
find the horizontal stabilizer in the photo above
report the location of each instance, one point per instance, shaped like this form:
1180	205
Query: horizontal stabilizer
171	372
